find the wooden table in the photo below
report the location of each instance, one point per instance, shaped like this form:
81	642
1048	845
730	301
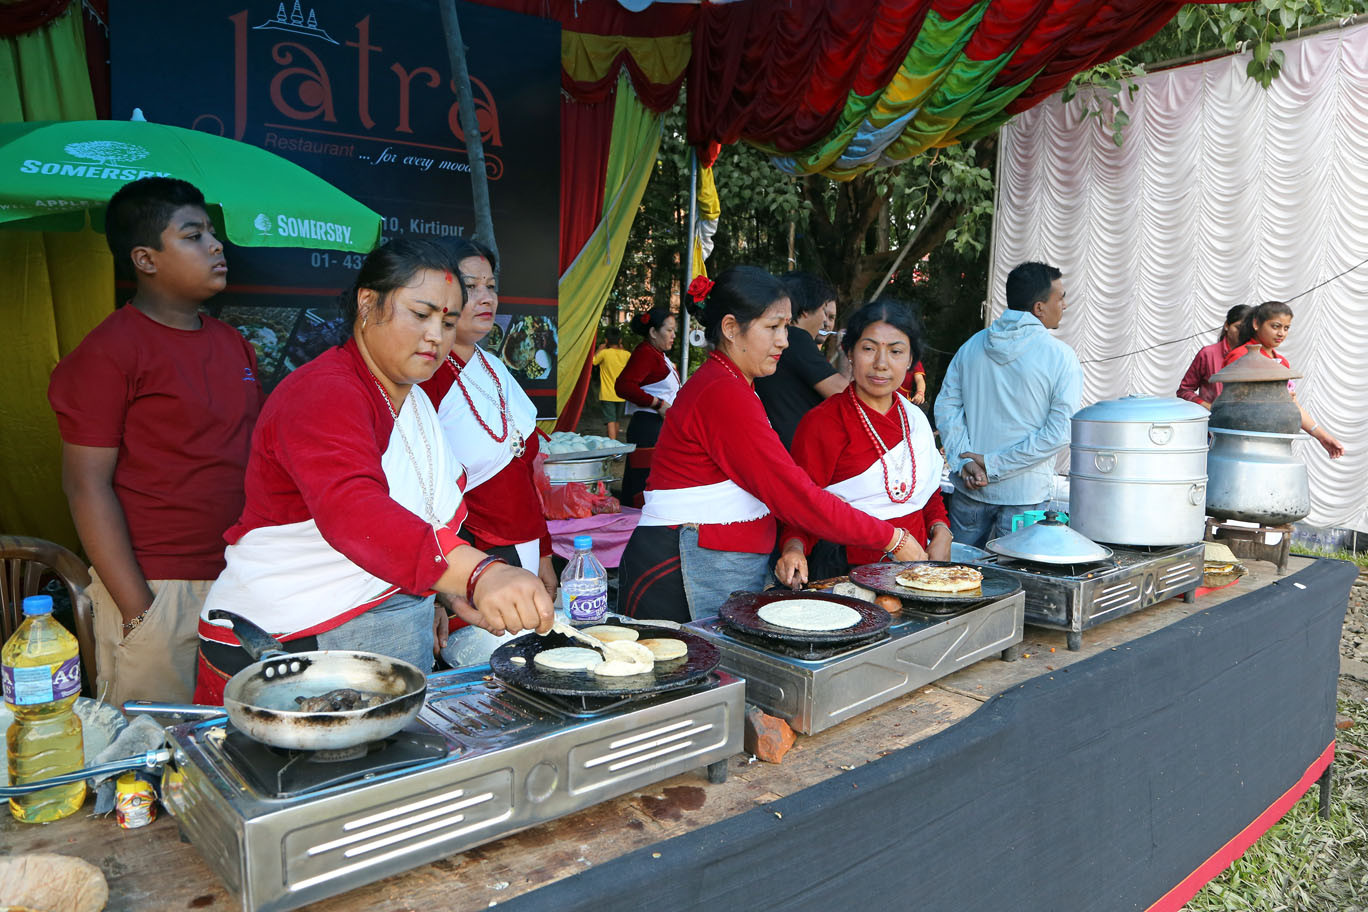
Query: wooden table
152	869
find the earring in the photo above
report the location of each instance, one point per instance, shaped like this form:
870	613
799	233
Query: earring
364	320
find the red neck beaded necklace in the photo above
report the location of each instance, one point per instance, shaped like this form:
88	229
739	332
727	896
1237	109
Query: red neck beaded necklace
899	491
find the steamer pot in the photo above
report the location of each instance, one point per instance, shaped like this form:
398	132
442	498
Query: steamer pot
1138	471
1255	476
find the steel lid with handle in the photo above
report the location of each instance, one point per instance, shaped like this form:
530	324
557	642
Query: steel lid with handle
1049	541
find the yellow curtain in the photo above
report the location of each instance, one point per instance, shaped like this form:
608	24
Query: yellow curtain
709	212
587	281
57	287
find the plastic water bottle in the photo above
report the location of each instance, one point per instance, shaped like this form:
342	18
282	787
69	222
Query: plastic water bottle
584	585
41	670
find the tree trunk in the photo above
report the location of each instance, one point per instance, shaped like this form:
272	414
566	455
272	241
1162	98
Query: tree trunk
470	126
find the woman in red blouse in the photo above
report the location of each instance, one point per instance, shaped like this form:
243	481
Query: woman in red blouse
1266	327
721	479
354	501
649	384
871	447
490	425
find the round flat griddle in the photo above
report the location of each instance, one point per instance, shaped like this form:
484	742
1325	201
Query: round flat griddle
882	578
701	659
742	612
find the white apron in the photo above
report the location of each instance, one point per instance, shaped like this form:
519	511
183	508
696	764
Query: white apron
866	491
664	389
723	502
288	578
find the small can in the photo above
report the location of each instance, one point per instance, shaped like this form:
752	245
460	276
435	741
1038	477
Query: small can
135	802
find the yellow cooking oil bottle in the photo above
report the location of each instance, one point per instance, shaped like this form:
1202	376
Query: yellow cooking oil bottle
41	670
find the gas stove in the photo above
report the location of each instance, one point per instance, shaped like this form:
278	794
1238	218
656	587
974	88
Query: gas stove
814	687
481	761
1075	598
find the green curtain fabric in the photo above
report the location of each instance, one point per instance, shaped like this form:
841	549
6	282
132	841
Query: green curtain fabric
57	288
587	281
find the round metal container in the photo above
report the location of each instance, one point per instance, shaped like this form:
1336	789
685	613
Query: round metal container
586	471
1255	477
1138	471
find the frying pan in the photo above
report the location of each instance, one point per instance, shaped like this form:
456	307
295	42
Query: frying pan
742	612
260	699
701	659
881	577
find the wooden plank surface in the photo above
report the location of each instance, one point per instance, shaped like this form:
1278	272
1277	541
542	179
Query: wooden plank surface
150	868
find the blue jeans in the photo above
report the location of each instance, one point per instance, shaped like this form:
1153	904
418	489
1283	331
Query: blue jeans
710	577
975	523
399	627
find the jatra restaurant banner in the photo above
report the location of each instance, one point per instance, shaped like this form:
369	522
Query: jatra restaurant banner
360	93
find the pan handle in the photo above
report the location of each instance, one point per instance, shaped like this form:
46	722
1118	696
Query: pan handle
148	760
259	644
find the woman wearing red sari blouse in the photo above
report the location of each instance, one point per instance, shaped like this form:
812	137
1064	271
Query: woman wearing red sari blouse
871	447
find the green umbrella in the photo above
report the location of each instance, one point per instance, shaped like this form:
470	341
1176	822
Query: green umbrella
53	173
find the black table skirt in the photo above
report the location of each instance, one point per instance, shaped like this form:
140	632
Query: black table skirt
1122	782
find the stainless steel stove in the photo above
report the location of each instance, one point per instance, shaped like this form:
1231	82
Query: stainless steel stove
481	761
814	688
1075	598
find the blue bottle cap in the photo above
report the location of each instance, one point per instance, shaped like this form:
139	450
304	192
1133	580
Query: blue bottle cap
37	604
584	542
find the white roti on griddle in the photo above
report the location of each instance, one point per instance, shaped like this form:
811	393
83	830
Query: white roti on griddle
568	658
809	614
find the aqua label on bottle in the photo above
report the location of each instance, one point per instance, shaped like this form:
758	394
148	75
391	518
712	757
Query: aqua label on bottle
40	684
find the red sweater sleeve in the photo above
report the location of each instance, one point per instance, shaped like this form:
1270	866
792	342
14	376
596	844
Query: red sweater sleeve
817	445
326	439
751	454
646	365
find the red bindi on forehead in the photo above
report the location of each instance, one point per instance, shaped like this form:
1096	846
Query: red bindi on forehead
448	281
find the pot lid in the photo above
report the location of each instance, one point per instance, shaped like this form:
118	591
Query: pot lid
1050	542
1254	367
1144	410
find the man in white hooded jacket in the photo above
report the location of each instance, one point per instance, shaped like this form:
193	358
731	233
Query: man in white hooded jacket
1004	408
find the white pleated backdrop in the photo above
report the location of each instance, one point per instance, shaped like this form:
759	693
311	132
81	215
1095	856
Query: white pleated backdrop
1222	193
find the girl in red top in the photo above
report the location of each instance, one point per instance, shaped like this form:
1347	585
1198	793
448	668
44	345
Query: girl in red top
354	500
721	478
1266	327
871	447
649	384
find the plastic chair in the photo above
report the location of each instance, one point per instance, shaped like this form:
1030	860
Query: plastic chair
24	561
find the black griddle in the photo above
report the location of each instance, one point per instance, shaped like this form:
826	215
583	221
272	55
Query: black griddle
700	661
881	577
741	611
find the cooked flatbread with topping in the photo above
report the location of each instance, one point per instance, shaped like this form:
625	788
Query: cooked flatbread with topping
809	614
954	578
625	658
665	650
608	633
568	658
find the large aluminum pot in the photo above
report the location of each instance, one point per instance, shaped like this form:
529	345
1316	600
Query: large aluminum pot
1255	477
1138	471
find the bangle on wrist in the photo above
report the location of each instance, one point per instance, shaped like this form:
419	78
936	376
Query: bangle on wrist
1312	428
130	626
478	572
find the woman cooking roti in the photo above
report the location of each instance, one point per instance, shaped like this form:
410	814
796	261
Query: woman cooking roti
871	447
720	474
354	500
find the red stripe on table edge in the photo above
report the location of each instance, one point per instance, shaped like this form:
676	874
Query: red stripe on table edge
1226	855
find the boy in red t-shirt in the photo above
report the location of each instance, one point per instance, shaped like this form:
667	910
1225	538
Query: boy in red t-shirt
156	407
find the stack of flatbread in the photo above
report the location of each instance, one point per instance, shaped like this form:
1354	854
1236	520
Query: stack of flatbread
954	578
1221	567
623	654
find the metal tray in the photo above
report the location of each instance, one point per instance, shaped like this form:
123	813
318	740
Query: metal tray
702	658
601	453
742	612
881	578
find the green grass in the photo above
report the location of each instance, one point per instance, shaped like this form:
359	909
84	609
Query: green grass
1303	863
1360	558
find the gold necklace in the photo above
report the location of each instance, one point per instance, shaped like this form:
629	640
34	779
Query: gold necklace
428	486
